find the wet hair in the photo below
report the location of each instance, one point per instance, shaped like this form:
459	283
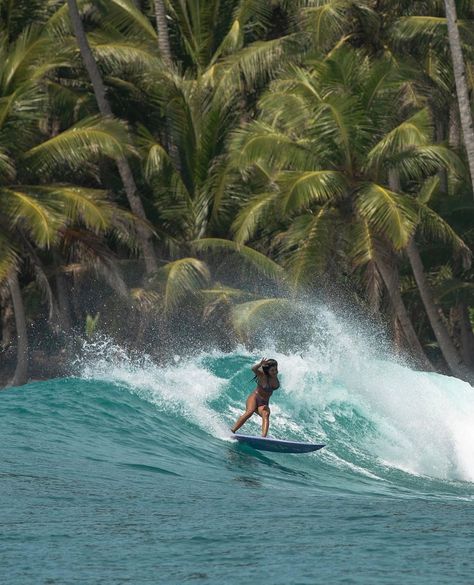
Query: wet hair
269	364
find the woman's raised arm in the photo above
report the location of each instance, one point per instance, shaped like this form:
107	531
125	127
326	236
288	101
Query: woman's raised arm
256	367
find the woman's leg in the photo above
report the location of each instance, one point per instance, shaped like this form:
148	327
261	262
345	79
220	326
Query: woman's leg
264	412
250	408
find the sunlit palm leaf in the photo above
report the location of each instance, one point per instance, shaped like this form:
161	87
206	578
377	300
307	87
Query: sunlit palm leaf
180	279
26	209
388	213
247	316
255	63
414	132
260	142
79	204
91	138
301	189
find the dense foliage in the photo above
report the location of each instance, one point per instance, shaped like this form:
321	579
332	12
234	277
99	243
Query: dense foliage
174	172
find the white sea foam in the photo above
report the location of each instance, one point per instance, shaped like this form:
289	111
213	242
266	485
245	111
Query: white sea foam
173	388
342	389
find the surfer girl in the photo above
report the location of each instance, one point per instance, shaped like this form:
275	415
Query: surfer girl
266	376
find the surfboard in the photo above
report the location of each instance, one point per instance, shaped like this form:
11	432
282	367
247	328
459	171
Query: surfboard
277	445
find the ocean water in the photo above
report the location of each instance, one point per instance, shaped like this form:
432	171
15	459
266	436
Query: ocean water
125	473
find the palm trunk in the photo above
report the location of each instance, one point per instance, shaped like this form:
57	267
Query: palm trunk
163	35
391	281
125	171
461	84
7	324
449	351
466	335
64	306
20	376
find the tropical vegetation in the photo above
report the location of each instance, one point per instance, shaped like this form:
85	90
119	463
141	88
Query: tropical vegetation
176	173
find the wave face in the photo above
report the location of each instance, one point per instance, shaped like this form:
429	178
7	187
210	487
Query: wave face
126	473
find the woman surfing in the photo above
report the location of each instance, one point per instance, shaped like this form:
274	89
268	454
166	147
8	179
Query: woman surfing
266	376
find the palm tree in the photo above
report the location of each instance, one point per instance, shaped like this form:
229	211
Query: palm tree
35	213
461	83
106	110
427	32
163	35
325	141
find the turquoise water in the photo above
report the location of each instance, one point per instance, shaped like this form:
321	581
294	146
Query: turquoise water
124	473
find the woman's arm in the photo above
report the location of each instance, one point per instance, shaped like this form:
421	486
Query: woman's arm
256	369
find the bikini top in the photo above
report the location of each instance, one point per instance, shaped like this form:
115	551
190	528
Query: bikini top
267	387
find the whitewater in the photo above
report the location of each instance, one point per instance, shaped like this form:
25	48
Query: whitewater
125	472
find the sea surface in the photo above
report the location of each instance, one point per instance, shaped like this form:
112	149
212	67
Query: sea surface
125	472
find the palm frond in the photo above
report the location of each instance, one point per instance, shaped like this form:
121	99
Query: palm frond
301	189
247	316
27	210
9	257
7	167
252	216
363	251
88	140
422	161
127	17
180	279
428	189
250	257
433	226
306	246
414	132
119	53
81	204
387	213
326	22
261	142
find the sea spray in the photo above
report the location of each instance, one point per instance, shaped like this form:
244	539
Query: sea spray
341	386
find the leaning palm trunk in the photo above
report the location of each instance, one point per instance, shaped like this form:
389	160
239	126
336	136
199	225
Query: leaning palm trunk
20	376
391	281
125	171
466	336
163	35
461	84
64	305
449	351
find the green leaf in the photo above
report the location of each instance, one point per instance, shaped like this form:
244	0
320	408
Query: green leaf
180	279
388	213
300	189
414	132
252	216
26	209
247	316
258	261
86	141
